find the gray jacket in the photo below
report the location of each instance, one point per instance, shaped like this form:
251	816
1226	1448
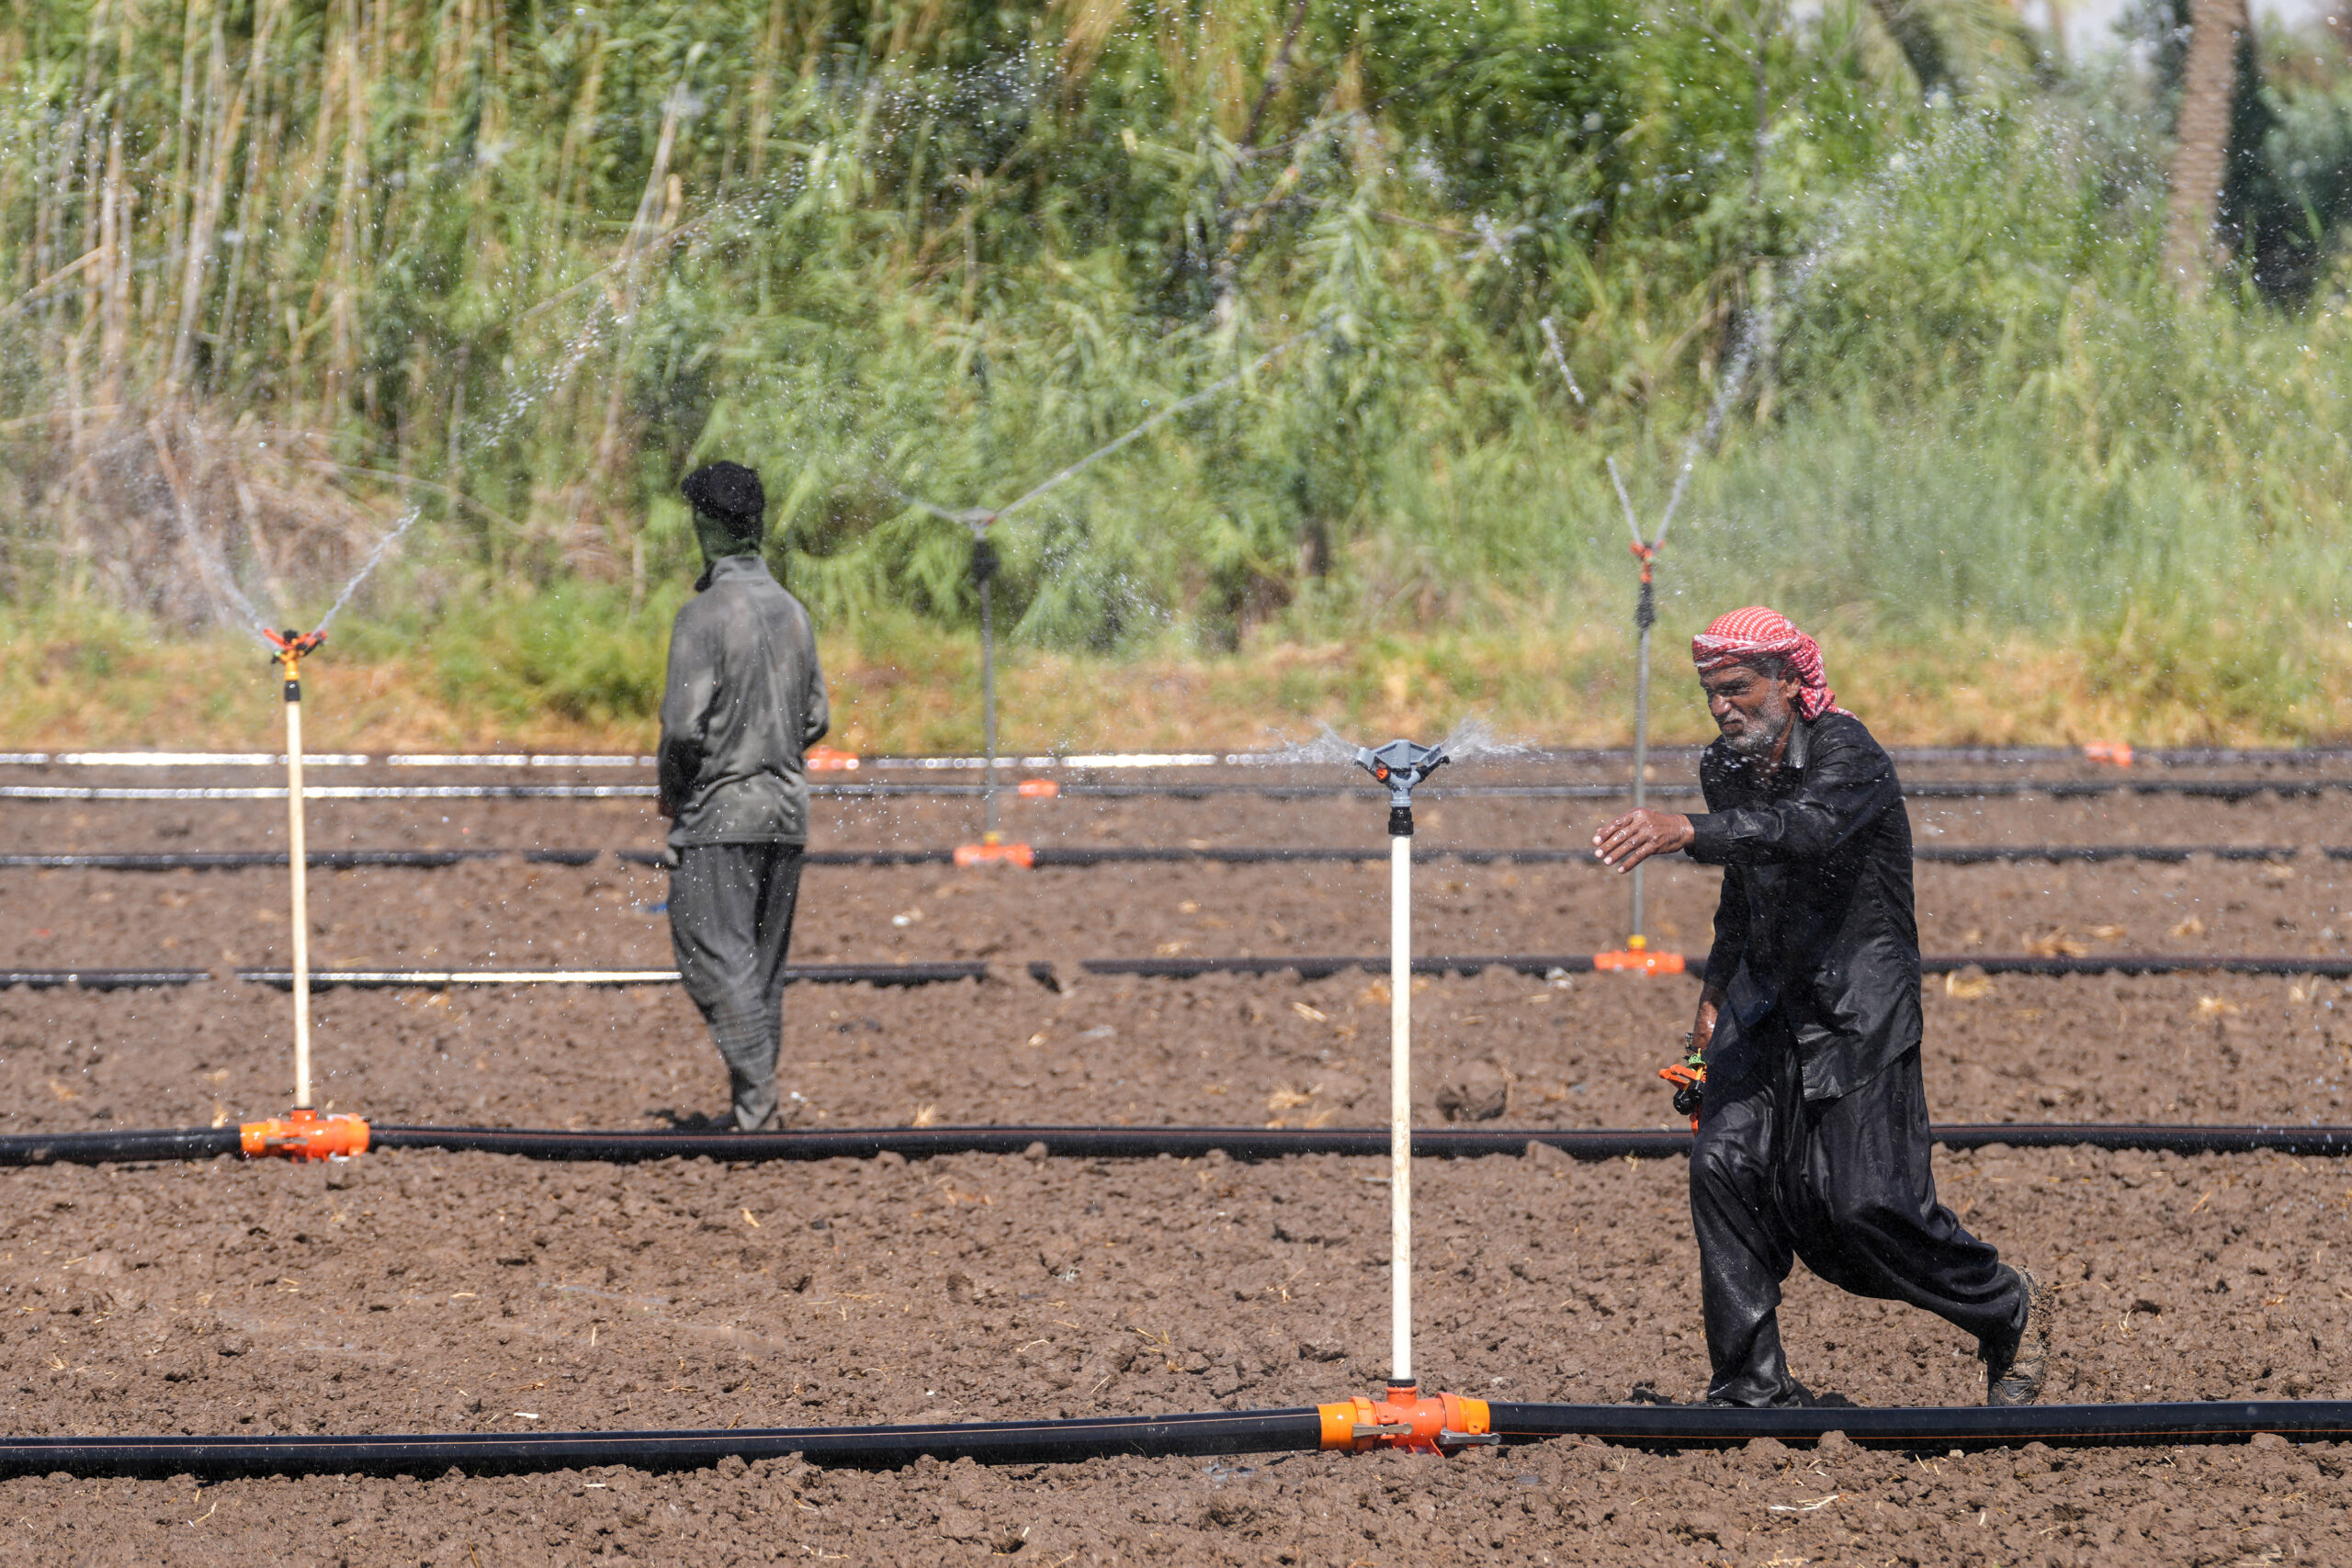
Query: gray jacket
743	702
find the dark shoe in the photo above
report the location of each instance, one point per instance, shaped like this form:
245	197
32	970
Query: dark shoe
1795	1396
2014	1364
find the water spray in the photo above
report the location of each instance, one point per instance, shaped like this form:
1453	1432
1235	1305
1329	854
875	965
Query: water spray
1637	954
993	849
302	1133
1403	1417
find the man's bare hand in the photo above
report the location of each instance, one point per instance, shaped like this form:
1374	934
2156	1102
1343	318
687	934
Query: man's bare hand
1634	837
1702	1026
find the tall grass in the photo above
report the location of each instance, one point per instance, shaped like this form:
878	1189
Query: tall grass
278	271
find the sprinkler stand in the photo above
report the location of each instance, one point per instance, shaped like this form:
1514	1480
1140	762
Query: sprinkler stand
1403	1417
1637	941
991	849
302	1133
1645	618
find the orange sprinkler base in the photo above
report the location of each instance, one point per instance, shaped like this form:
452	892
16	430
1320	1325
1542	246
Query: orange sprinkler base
303	1134
1406	1418
1020	855
1639	961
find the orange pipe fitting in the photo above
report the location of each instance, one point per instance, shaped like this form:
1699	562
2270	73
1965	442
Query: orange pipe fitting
303	1134
2115	753
1406	1418
1020	855
1640	962
1039	789
829	760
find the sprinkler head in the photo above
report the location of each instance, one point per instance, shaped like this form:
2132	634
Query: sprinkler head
291	646
1401	765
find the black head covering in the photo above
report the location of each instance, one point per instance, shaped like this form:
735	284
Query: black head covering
729	493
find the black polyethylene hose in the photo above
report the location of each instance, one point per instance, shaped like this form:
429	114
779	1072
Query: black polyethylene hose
1000	1442
2217	1421
1280	1143
1128	1143
1214	1432
101	979
1080	856
127	1146
441	979
1316	967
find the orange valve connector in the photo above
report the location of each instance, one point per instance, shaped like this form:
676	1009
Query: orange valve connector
1020	855
829	759
303	1134
1039	789
1406	1418
1639	961
2115	753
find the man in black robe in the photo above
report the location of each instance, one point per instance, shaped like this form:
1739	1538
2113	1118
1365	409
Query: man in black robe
1813	1138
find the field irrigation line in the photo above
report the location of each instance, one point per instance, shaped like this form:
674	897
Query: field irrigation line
1307	967
1064	1140
1933	789
1592	756
1192	1435
928	974
100	979
1079	857
1546	965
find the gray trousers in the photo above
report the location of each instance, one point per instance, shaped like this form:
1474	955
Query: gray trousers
730	924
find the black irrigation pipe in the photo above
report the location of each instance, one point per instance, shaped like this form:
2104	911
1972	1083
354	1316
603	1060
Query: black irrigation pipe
995	1442
440	979
1066	1141
100	979
1084	855
1044	974
1293	1430
2144	964
1935	1428
1322	967
1317	968
119	1146
1930	789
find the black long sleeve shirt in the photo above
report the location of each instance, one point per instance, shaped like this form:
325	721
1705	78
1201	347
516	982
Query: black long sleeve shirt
1815	916
743	700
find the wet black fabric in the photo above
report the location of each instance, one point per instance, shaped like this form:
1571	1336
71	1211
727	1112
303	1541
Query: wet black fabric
1815	916
731	925
1844	1184
743	700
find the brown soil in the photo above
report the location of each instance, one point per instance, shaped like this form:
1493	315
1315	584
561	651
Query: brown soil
409	1291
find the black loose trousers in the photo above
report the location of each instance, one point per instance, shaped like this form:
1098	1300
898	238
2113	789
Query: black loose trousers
1843	1184
731	925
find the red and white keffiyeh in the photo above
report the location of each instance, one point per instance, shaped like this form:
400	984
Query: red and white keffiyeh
1745	636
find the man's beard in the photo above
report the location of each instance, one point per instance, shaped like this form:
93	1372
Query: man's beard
1760	733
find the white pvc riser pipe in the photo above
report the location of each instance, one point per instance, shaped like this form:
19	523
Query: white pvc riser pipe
1400	1107
297	860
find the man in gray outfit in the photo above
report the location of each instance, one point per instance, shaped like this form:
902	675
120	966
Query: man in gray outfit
743	700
